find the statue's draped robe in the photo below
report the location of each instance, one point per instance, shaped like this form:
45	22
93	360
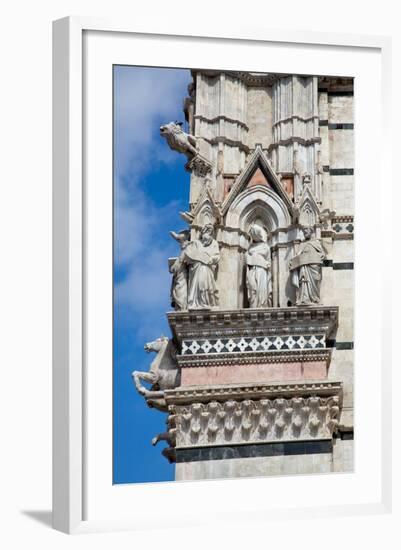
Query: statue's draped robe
202	260
179	285
258	277
307	278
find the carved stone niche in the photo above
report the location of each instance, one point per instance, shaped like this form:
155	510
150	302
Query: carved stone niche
246	414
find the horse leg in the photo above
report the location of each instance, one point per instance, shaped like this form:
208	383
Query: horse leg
164	436
146	377
160	437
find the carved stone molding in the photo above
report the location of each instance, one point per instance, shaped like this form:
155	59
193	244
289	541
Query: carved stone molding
253	344
342	228
254	421
240	323
202	394
228	359
250	79
199	166
219	118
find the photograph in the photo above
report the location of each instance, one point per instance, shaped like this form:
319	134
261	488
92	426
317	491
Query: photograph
233	274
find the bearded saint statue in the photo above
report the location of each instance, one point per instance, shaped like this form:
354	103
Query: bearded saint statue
179	269
306	269
258	276
202	257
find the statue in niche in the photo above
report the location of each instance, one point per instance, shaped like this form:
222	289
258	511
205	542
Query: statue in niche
179	269
258	276
202	257
306	269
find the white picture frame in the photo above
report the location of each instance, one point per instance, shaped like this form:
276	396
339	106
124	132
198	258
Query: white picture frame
72	256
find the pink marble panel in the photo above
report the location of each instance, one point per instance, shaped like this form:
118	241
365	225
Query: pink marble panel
268	372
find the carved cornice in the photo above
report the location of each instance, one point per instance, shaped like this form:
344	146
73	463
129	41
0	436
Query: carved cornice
224	118
226	141
253	322
296	117
249	79
294	139
254	421
258	79
221	393
327	83
205	417
199	165
228	359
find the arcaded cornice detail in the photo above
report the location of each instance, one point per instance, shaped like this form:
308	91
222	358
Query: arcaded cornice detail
336	84
202	394
257	322
259	358
254	421
326	83
249	79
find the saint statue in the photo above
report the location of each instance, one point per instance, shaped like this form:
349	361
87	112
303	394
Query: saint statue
258	276
306	269
202	257
179	269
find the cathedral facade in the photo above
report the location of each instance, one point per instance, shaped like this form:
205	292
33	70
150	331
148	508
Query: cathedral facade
257	374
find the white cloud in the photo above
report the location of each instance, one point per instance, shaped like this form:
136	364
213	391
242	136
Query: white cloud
143	96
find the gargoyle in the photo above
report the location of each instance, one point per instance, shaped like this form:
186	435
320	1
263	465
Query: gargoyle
178	140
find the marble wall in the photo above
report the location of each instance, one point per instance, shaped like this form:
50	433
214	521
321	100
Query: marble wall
282	151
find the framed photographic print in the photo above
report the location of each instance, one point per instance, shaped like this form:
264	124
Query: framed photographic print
216	336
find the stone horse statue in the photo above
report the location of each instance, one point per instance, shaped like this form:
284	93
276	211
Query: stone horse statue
163	373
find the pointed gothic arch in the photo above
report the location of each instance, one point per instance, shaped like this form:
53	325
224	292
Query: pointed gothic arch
308	208
258	202
257	163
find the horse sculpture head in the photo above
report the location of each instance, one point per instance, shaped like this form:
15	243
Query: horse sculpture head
156	345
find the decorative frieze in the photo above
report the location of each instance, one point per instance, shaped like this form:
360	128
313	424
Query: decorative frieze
257	323
202	394
342	228
253	344
254	420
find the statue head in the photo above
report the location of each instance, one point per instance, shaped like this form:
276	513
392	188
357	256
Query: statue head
308	232
257	233
206	234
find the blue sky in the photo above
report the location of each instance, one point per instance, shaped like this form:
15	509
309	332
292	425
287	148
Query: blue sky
150	188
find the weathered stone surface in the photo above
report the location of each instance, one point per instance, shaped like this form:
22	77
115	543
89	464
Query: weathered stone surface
275	150
254	421
261	322
255	467
264	372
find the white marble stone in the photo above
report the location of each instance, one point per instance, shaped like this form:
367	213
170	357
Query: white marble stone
275	150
